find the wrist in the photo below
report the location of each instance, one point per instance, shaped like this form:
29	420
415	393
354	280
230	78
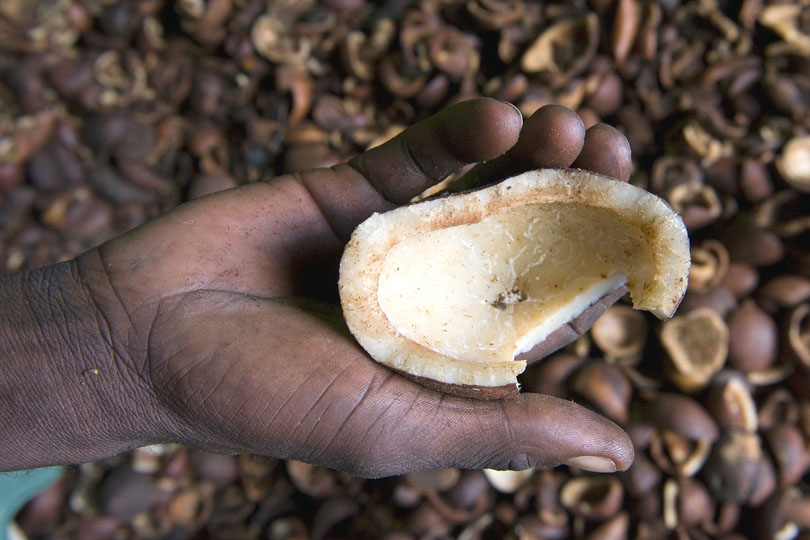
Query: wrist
68	392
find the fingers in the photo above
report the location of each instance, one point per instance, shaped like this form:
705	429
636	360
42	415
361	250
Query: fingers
555	137
551	138
479	130
428	151
606	151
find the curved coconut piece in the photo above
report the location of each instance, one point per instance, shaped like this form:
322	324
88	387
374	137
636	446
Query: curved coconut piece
450	291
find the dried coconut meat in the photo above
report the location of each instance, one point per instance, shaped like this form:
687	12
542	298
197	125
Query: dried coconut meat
452	291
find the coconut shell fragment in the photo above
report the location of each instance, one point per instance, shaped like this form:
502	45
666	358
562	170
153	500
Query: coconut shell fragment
456	292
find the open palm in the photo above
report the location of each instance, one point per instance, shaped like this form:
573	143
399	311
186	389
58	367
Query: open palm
211	307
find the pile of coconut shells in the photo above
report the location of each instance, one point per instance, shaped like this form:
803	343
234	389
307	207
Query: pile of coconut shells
113	111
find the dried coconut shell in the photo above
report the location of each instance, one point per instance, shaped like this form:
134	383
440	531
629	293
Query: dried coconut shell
451	291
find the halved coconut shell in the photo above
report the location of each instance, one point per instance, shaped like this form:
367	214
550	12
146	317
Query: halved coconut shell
450	291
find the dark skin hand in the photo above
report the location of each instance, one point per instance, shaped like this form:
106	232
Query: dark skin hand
195	329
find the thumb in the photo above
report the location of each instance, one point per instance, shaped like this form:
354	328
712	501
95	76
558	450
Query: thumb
440	431
533	430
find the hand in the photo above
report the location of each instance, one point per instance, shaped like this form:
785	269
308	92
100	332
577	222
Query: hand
203	309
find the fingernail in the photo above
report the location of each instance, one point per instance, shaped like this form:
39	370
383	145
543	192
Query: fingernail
592	464
520	114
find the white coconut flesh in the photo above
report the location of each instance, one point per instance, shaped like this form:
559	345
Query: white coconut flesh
513	278
453	289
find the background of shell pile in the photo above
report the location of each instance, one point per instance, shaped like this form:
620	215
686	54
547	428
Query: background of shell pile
114	111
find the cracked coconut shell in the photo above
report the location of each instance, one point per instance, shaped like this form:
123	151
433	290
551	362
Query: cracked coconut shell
454	292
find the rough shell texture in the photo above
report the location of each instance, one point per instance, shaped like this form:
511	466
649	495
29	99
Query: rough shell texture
420	285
